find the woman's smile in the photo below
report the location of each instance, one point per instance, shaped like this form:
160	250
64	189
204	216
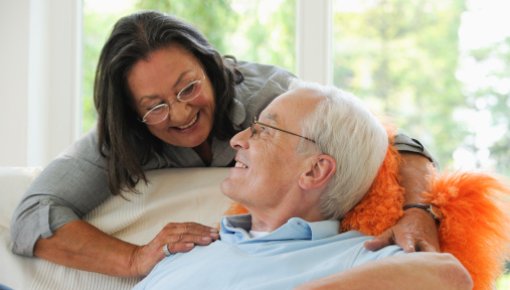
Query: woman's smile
190	124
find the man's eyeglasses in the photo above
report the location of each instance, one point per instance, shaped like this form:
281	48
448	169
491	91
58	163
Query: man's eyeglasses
161	112
257	126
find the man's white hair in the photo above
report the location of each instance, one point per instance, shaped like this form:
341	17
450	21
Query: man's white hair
344	128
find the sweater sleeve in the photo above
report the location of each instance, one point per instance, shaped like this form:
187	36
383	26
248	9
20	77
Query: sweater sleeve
68	188
404	143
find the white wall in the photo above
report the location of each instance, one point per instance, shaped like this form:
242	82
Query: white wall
14	22
39	79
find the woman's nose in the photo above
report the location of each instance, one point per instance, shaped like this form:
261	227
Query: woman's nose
179	112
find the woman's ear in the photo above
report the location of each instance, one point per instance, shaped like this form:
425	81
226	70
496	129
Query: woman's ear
322	169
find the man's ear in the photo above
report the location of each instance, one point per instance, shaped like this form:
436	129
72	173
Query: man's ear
322	169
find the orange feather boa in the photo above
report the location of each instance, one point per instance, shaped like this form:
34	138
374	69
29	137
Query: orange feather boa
475	209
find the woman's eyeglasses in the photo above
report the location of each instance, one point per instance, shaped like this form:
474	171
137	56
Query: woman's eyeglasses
161	112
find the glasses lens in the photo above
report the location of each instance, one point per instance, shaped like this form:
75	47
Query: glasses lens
156	115
190	92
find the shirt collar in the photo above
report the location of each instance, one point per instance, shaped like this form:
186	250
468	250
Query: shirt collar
234	229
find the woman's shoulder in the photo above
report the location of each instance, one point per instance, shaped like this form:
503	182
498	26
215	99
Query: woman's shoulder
263	73
86	148
262	83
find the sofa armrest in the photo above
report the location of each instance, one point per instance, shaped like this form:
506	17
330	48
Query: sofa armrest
14	181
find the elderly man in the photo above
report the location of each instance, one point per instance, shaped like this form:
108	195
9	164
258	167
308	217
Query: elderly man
311	156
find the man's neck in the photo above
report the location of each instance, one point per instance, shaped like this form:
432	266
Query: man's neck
267	224
270	221
296	203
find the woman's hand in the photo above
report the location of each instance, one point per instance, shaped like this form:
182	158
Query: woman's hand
178	237
415	231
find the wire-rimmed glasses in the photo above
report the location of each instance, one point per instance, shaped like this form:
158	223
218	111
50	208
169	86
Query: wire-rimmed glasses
161	112
255	130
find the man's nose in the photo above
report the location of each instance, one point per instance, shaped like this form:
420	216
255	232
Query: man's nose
240	140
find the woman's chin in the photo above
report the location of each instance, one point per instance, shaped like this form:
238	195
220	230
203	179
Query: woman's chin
188	138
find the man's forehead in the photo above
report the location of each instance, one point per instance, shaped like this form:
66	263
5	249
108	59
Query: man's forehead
273	114
301	96
295	102
270	115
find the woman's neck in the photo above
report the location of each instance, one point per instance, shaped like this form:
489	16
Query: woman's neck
204	150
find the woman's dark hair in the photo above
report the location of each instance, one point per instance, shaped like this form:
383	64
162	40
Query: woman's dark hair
123	140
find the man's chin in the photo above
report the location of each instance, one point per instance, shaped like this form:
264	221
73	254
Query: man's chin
229	189
225	187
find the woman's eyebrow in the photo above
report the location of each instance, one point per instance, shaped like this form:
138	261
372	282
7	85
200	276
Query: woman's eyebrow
181	76
179	80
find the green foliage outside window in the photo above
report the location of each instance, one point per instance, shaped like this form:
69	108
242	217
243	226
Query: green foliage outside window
496	100
253	30
402	56
405	57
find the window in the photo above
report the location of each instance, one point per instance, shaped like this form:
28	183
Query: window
439	69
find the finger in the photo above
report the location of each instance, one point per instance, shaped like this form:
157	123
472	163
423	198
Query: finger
381	241
195	227
190	238
197	239
180	247
407	243
409	247
423	246
190	228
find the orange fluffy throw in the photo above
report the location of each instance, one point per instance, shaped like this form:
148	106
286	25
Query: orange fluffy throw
474	228
475	209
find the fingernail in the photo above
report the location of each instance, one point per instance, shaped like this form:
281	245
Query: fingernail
206	239
189	245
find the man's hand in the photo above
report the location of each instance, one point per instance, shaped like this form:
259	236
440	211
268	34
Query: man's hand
415	231
418	271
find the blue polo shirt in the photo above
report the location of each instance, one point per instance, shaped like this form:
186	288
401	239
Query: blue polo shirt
296	252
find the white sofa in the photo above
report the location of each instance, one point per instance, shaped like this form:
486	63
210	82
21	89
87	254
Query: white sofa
172	195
